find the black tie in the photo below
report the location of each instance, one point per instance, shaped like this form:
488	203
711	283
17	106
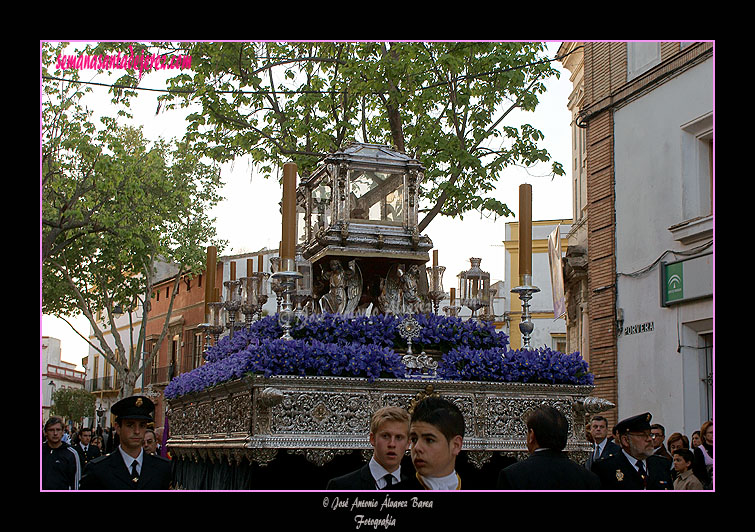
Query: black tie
134	472
641	471
388	481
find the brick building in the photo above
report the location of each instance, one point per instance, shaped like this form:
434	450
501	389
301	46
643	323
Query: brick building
182	347
643	191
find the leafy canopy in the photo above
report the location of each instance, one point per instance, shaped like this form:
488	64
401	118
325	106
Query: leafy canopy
445	103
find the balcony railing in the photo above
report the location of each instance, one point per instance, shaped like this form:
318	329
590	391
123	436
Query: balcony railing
63	373
100	384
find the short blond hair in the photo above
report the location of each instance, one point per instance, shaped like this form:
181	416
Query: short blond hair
388	413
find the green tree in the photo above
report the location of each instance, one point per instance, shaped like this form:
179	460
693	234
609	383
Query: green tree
73	403
444	103
115	205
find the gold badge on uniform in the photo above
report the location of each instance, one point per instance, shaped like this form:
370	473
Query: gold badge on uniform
139	401
619	475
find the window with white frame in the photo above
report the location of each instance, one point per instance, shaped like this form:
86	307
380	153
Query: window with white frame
697	167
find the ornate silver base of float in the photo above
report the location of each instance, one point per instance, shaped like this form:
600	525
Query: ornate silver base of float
256	418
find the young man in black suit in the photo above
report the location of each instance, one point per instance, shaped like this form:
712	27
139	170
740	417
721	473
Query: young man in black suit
389	436
635	467
87	451
436	435
548	467
128	467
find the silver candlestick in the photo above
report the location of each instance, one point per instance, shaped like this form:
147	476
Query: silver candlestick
287	277
525	294
233	302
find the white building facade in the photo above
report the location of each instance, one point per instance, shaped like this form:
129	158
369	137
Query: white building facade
663	153
56	374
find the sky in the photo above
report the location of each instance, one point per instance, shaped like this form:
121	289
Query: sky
251	201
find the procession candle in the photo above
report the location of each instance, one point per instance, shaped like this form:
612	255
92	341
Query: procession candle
260	262
211	266
288	245
453	296
525	233
233	271
249	267
434	270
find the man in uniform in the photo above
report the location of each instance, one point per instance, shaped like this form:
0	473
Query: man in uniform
87	451
128	467
635	467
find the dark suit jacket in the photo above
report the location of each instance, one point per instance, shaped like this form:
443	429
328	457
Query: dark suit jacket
109	472
608	449
547	470
361	479
91	453
661	451
616	473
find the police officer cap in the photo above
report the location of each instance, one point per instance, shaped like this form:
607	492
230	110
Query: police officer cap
134	407
637	423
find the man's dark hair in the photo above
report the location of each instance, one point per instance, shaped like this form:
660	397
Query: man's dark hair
54	421
599	418
84	429
442	414
550	426
658	426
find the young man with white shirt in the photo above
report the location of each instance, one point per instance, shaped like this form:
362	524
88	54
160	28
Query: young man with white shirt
635	467
436	435
389	437
87	451
129	467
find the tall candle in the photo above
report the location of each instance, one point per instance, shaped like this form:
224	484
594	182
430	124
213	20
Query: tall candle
288	245
260	262
525	232
233	271
435	258
453	296
210	267
249	267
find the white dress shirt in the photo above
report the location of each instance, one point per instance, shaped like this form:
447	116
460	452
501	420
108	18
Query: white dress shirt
129	460
379	473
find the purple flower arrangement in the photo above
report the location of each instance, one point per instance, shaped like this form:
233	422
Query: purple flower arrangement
365	346
541	365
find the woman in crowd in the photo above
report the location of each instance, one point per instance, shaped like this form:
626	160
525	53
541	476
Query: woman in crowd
703	465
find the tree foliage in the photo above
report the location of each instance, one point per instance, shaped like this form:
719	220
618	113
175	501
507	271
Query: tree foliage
445	103
73	403
114	205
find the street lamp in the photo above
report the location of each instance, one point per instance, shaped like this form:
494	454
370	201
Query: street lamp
100	412
52	392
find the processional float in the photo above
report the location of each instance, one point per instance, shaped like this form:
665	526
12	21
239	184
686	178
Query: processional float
351	247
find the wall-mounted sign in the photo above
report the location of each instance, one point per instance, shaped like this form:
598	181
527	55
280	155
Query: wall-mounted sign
639	328
686	280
